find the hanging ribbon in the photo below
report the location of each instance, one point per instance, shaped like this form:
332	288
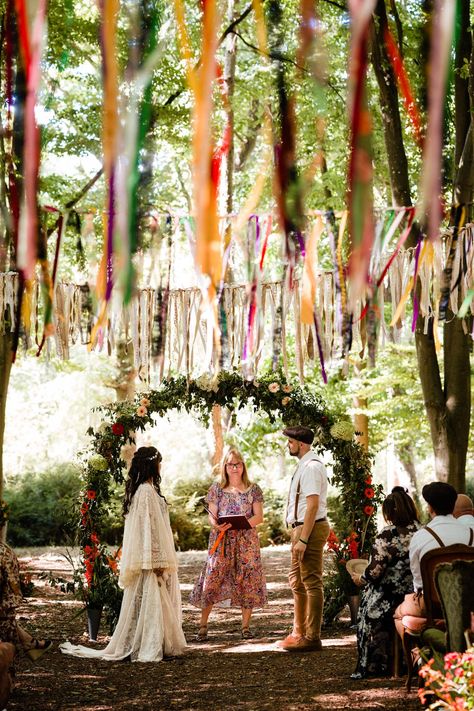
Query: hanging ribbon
459	218
360	174
404	85
31	46
310	274
410	211
206	167
430	189
109	12
288	185
137	117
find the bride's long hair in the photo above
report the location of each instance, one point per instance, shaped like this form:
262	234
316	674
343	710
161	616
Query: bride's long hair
145	466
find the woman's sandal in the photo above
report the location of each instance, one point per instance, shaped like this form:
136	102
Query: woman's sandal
246	633
202	634
38	648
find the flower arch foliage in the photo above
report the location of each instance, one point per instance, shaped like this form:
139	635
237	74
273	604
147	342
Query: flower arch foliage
283	402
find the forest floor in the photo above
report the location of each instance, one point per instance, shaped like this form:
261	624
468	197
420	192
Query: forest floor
222	673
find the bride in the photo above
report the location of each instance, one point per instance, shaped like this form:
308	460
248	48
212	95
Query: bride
149	625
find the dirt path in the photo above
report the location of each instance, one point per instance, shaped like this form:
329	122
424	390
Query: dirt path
223	673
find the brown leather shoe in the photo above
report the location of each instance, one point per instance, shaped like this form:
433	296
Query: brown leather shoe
304	645
289	641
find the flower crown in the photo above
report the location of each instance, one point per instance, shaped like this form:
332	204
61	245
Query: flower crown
149	458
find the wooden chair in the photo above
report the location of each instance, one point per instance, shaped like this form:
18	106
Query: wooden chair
455	586
434	612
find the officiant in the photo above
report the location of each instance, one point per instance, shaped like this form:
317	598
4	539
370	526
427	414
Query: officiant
232	575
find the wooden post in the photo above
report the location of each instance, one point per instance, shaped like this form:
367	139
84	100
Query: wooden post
218	437
361	422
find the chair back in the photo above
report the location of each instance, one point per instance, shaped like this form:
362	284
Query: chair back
428	564
455	585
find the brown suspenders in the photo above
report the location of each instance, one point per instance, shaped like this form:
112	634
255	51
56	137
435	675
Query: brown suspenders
298	490
436	537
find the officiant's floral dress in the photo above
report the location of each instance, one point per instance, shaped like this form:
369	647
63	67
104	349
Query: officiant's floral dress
233	575
388	578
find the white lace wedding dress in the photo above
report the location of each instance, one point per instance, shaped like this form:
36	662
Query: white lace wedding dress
149	625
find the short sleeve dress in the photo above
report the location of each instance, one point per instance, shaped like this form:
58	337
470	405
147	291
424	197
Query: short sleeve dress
233	574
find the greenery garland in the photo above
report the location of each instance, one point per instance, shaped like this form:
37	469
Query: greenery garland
113	442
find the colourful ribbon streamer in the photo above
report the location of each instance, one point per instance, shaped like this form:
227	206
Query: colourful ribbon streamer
310	274
404	84
442	32
360	173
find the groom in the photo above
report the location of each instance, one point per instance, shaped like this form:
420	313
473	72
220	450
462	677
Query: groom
306	516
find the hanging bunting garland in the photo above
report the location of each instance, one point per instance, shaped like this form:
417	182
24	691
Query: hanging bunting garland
459	218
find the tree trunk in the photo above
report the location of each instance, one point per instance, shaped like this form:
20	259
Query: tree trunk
461	82
464	94
448	407
392	126
230	58
457	393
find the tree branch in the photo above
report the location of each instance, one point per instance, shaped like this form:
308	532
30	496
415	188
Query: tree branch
84	190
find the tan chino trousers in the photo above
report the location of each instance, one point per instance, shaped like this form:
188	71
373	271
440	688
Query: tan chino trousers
306	582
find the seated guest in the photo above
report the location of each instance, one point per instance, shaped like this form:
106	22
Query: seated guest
464	510
10	597
443	530
385	581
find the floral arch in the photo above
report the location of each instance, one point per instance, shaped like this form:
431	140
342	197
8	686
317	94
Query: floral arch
104	461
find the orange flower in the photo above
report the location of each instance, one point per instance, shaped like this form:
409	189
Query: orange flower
94	538
368	480
91	494
368	510
369	492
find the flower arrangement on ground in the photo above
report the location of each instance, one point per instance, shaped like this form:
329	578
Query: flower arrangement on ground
453	686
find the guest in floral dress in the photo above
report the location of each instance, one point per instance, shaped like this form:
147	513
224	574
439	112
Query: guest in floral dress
233	574
384	582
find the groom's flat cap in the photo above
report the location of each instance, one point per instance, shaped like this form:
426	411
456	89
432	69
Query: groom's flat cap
300	433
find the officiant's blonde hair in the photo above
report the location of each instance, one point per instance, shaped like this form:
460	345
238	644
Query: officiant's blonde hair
232	451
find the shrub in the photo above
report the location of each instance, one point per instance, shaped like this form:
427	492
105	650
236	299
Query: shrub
42	506
189	520
273	530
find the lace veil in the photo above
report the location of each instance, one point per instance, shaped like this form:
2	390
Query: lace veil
148	540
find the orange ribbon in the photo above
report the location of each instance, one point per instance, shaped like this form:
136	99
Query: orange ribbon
217	542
